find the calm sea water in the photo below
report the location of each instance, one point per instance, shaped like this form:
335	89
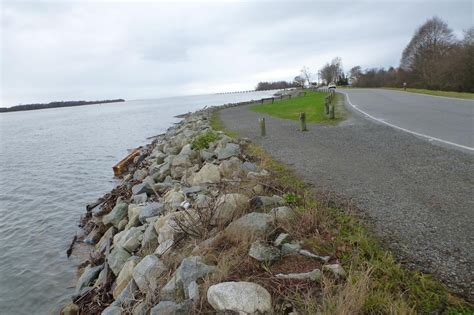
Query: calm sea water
52	163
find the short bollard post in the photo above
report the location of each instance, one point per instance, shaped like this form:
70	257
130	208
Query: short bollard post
263	131
273	100
326	105
331	112
303	122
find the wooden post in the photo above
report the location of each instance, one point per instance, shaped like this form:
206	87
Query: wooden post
261	101
263	132
303	122
289	96
326	104
273	100
331	112
281	97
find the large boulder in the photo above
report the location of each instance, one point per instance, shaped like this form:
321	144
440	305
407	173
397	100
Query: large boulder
174	198
147	273
117	258
125	275
106	239
266	201
184	278
180	163
88	276
264	252
129	239
228	206
151	210
229	167
229	150
116	215
282	214
250	226
150	239
240	297
209	173
160	172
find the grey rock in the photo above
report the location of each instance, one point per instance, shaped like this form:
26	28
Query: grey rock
209	173
282	238
240	297
144	187
266	201
140	308
263	252
307	253
93	237
282	214
314	275
254	224
162	172
191	190
163	187
147	272
249	167
128	295
116	215
171	308
228	206
229	167
290	248
106	238
150	239
336	270
202	201
87	277
140	198
129	239
164	247
117	258
190	270
151	210
140	174
125	275
230	149
207	155
112	310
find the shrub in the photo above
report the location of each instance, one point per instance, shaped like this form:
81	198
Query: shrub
203	140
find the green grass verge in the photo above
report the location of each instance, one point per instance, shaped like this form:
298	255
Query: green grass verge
463	95
312	104
376	282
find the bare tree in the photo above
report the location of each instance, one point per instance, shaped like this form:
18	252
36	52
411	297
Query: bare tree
299	80
354	74
331	72
431	43
305	73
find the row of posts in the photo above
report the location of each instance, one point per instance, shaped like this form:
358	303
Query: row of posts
329	107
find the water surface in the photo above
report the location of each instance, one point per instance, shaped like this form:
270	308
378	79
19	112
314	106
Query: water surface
52	163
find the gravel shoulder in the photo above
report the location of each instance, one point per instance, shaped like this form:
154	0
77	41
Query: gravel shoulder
417	194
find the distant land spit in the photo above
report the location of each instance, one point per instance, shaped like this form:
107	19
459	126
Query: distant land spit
55	104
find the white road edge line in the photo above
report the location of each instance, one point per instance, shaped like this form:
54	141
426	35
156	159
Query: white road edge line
417	93
430	138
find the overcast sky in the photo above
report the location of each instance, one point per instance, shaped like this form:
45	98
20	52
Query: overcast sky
71	50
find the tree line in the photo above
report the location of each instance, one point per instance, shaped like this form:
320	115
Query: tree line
433	59
55	104
263	86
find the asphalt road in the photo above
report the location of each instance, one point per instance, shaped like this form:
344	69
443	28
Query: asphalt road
416	194
445	120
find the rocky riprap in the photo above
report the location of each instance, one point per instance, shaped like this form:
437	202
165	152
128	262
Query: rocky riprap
147	237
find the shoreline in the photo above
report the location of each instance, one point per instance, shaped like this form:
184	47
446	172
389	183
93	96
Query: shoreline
156	240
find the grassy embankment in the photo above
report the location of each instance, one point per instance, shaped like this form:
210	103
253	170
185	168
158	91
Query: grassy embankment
463	95
312	104
375	284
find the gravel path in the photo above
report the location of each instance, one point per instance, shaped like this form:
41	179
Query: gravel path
418	195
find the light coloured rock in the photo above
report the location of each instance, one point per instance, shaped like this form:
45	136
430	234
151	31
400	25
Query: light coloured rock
122	224
314	275
147	272
229	167
116	215
88	276
207	155
106	238
254	225
282	238
150	239
140	308
164	247
282	214
162	171
209	173
140	174
290	248
258	189
144	187
190	270
151	210
133	215
263	252
309	254
125	275
130	239
140	198
240	297
202	201
174	198
230	149
249	167
336	270
179	165
228	206
112	310
117	258
266	201
128	295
